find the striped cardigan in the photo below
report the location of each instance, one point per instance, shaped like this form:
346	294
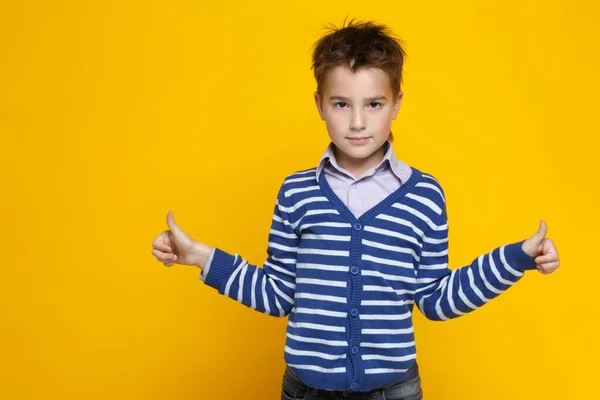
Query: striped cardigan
349	284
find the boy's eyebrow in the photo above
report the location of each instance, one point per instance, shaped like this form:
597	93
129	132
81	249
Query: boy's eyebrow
342	98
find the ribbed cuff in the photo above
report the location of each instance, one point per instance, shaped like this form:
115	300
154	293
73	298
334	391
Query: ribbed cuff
517	258
221	268
206	268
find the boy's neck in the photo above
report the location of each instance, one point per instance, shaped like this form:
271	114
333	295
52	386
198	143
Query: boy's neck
358	166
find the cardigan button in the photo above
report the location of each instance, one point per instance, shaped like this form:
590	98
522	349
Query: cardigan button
357	226
353	385
354	349
354	312
354	270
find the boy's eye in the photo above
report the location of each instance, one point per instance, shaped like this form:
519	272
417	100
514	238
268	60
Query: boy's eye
373	104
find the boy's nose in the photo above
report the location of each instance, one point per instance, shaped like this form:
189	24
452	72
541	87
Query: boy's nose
358	121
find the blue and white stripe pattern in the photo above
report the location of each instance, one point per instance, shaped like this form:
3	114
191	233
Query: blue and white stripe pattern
349	284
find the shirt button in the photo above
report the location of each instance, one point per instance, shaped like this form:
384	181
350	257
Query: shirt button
357	226
354	349
353	385
354	312
354	270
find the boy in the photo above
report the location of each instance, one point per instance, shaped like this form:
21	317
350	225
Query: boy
357	241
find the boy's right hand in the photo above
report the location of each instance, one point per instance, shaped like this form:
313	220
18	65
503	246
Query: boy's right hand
174	246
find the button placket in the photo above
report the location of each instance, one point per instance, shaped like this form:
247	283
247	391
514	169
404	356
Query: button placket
354	300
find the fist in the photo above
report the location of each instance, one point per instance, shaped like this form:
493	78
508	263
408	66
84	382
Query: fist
542	249
174	246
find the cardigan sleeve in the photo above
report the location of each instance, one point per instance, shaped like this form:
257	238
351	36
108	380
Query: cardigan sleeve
443	294
269	289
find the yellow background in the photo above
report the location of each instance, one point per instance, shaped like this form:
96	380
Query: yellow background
114	112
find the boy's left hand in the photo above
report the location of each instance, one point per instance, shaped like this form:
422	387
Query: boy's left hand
542	249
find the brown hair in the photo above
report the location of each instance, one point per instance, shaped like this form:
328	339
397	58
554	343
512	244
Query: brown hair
357	45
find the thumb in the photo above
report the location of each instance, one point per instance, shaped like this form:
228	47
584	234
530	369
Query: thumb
541	233
172	224
532	245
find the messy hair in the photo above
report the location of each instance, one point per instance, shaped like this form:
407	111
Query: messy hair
358	45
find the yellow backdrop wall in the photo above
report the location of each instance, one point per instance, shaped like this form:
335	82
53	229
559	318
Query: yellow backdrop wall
113	113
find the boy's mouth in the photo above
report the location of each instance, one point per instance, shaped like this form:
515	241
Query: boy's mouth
358	140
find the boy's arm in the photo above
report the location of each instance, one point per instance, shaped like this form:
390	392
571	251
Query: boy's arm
442	293
269	289
206	267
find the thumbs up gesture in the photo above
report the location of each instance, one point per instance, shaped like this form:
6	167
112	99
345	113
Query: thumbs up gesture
174	246
542	249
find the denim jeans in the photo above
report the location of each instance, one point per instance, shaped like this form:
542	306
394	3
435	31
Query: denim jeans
294	389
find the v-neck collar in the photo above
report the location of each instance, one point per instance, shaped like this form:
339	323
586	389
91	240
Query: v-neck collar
333	198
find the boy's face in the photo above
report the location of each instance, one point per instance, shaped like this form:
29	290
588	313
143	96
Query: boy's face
358	109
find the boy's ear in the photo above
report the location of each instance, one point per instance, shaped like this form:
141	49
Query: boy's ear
319	105
397	105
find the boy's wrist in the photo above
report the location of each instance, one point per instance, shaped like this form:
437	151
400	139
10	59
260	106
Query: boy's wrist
201	254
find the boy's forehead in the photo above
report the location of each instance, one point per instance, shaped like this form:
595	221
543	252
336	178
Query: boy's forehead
364	81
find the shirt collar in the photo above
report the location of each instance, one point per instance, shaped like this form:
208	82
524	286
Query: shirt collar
389	157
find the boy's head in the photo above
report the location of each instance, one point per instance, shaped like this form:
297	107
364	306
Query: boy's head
358	69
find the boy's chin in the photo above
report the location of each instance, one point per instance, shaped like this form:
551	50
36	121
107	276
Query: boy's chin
359	152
